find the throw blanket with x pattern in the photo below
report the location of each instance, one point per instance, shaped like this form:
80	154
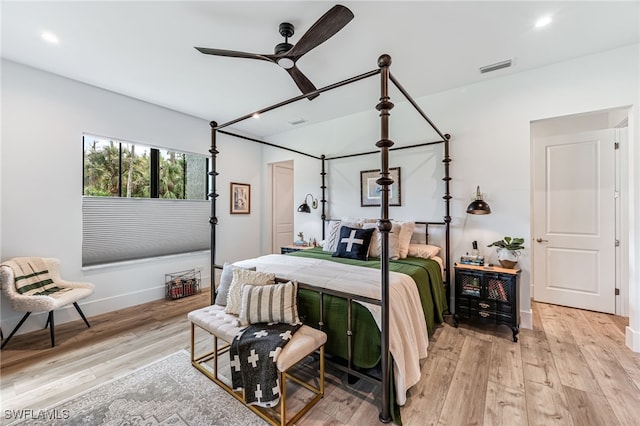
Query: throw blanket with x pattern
253	353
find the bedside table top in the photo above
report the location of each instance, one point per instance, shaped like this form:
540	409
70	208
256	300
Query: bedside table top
295	247
487	268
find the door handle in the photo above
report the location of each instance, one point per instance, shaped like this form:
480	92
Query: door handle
540	240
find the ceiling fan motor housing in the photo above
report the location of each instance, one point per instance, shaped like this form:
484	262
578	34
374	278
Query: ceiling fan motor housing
286	29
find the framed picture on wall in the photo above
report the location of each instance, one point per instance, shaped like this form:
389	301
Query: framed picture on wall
370	191
240	198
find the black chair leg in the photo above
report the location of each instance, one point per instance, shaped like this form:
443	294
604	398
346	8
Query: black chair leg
24	318
50	322
81	314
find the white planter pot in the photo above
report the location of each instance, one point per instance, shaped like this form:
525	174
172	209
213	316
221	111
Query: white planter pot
508	258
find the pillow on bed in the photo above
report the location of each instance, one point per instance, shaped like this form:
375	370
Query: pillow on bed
375	249
423	250
225	282
361	220
353	243
406	231
269	303
242	277
374	245
333	233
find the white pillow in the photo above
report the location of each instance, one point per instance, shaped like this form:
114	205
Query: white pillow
269	304
333	233
361	220
225	282
375	247
240	278
423	250
405	237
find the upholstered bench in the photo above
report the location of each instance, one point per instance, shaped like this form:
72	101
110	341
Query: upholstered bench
304	342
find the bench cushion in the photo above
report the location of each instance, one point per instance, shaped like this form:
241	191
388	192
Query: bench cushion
225	326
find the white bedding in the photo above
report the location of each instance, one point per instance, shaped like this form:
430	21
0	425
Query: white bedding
408	339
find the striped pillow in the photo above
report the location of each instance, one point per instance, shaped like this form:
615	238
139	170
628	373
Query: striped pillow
270	303
241	277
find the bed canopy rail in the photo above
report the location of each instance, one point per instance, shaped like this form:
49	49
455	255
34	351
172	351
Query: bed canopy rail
385	145
300	97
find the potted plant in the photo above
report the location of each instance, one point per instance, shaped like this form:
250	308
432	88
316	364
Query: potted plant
508	251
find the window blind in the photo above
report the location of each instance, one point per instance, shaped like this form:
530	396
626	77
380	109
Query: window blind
118	229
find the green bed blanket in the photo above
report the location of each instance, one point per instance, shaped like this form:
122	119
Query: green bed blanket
366	335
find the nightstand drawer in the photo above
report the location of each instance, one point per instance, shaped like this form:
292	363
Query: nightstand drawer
491	305
493	315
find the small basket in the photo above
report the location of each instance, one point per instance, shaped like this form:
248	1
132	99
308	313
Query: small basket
182	284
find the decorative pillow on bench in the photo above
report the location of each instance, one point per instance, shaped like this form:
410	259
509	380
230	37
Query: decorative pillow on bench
270	303
242	277
225	282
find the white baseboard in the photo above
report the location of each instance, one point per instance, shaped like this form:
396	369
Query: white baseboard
526	319
633	339
90	308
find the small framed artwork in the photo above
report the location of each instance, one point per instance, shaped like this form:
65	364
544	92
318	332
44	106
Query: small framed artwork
240	198
370	191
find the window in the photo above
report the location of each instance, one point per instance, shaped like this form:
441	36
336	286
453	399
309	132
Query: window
141	201
124	169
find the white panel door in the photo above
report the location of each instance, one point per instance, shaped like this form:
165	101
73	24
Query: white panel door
282	205
574	220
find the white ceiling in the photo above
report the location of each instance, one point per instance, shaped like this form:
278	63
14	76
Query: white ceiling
145	49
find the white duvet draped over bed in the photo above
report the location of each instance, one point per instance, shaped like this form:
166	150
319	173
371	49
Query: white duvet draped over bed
408	340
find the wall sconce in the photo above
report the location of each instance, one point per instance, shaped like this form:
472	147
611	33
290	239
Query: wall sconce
478	206
304	207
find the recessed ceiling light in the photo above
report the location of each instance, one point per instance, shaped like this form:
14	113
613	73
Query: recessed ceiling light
543	21
49	37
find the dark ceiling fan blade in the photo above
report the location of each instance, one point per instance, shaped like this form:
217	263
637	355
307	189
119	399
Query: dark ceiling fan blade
304	84
323	29
234	54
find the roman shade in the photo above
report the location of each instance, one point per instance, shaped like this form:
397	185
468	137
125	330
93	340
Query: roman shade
116	229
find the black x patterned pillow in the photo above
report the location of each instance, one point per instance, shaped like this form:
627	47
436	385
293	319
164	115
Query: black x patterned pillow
353	243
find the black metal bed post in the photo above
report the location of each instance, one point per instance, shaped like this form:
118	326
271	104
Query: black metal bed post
323	188
384	225
213	220
447	216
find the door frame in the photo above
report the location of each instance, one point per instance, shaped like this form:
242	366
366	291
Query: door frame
270	206
616	118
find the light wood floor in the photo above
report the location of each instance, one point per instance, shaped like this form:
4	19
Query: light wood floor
571	369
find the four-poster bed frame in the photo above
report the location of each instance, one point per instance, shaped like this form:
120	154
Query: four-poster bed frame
384	223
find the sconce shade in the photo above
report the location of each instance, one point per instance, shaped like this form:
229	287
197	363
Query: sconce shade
304	207
478	206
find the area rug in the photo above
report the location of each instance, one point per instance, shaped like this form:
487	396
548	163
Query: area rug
167	392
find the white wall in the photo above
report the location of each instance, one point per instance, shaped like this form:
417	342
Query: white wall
490	146
43	119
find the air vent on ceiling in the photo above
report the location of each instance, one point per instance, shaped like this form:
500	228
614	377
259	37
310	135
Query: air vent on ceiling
496	66
296	122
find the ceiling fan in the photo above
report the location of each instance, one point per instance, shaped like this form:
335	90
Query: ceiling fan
286	55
